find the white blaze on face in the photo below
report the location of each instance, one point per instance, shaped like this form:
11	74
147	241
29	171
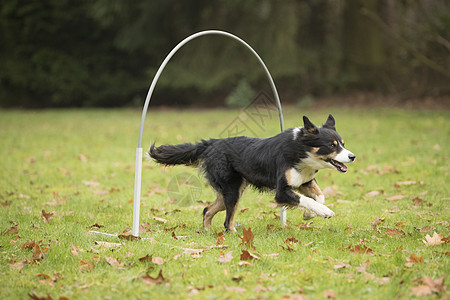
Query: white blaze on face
344	156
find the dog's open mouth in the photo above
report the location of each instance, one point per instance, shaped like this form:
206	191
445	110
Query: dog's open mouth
338	165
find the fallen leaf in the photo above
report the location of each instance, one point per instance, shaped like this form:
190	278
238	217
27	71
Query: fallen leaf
246	255
400	224
417	201
154	280
146	258
107	244
341	265
359	249
227	257
6	203
17	264
220	238
113	261
436	286
96	226
37	250
409	182
90	183
395	198
236	289
157	260
363	267
436	239
160	220
377	222
394	232
421	290
47	215
128	237
373	194
244	263
13	230
329	294
244	209
83	158
74	250
416	259
247	237
86	265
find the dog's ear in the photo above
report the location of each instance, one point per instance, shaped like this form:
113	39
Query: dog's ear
330	124
309	126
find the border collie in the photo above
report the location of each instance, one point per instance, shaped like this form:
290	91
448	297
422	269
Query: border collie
286	164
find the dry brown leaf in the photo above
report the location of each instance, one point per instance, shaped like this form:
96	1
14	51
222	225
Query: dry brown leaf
220	238
74	250
377	222
341	265
394	232
421	290
415	259
154	280
373	194
246	255
17	264
436	239
90	183
128	237
113	261
157	260
329	294
47	215
146	258
13	230
247	237
236	289
395	198
363	267
107	244
227	257
86	265
160	220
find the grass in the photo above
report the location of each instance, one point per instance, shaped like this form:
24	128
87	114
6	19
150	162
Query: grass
79	165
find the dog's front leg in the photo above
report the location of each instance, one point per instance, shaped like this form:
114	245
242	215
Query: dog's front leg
311	189
285	195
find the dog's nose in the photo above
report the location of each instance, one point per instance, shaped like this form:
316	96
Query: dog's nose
351	156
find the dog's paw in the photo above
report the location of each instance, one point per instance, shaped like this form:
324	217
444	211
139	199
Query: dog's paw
309	214
324	212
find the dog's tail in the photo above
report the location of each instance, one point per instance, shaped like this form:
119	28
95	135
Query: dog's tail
183	154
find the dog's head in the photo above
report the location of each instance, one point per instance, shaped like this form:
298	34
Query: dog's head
325	146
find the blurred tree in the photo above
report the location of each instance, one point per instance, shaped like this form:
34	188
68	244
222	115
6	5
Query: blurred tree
105	52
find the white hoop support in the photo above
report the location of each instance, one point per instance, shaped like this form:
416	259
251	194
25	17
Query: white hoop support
138	170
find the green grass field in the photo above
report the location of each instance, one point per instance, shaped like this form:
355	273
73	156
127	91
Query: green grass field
78	166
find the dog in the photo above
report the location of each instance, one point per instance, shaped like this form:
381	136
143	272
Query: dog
286	164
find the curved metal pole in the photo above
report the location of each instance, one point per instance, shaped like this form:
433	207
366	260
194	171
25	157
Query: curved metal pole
138	169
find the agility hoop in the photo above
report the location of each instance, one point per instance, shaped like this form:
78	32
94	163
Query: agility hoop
139	150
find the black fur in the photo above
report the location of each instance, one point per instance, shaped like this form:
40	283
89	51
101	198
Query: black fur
231	163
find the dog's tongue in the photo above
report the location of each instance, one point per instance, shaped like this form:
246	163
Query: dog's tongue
343	168
340	166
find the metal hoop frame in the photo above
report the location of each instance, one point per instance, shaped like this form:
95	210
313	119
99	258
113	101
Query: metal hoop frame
139	151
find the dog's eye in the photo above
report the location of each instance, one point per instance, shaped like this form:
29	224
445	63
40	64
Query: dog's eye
332	146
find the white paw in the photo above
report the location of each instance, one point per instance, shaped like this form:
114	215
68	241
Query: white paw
323	211
315	208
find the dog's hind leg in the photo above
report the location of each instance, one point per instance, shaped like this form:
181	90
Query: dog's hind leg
232	196
211	210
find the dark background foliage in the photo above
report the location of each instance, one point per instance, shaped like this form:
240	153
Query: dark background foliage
61	53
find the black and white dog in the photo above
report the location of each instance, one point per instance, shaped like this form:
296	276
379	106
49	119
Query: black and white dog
286	163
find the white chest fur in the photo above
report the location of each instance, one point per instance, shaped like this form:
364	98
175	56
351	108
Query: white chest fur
296	178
